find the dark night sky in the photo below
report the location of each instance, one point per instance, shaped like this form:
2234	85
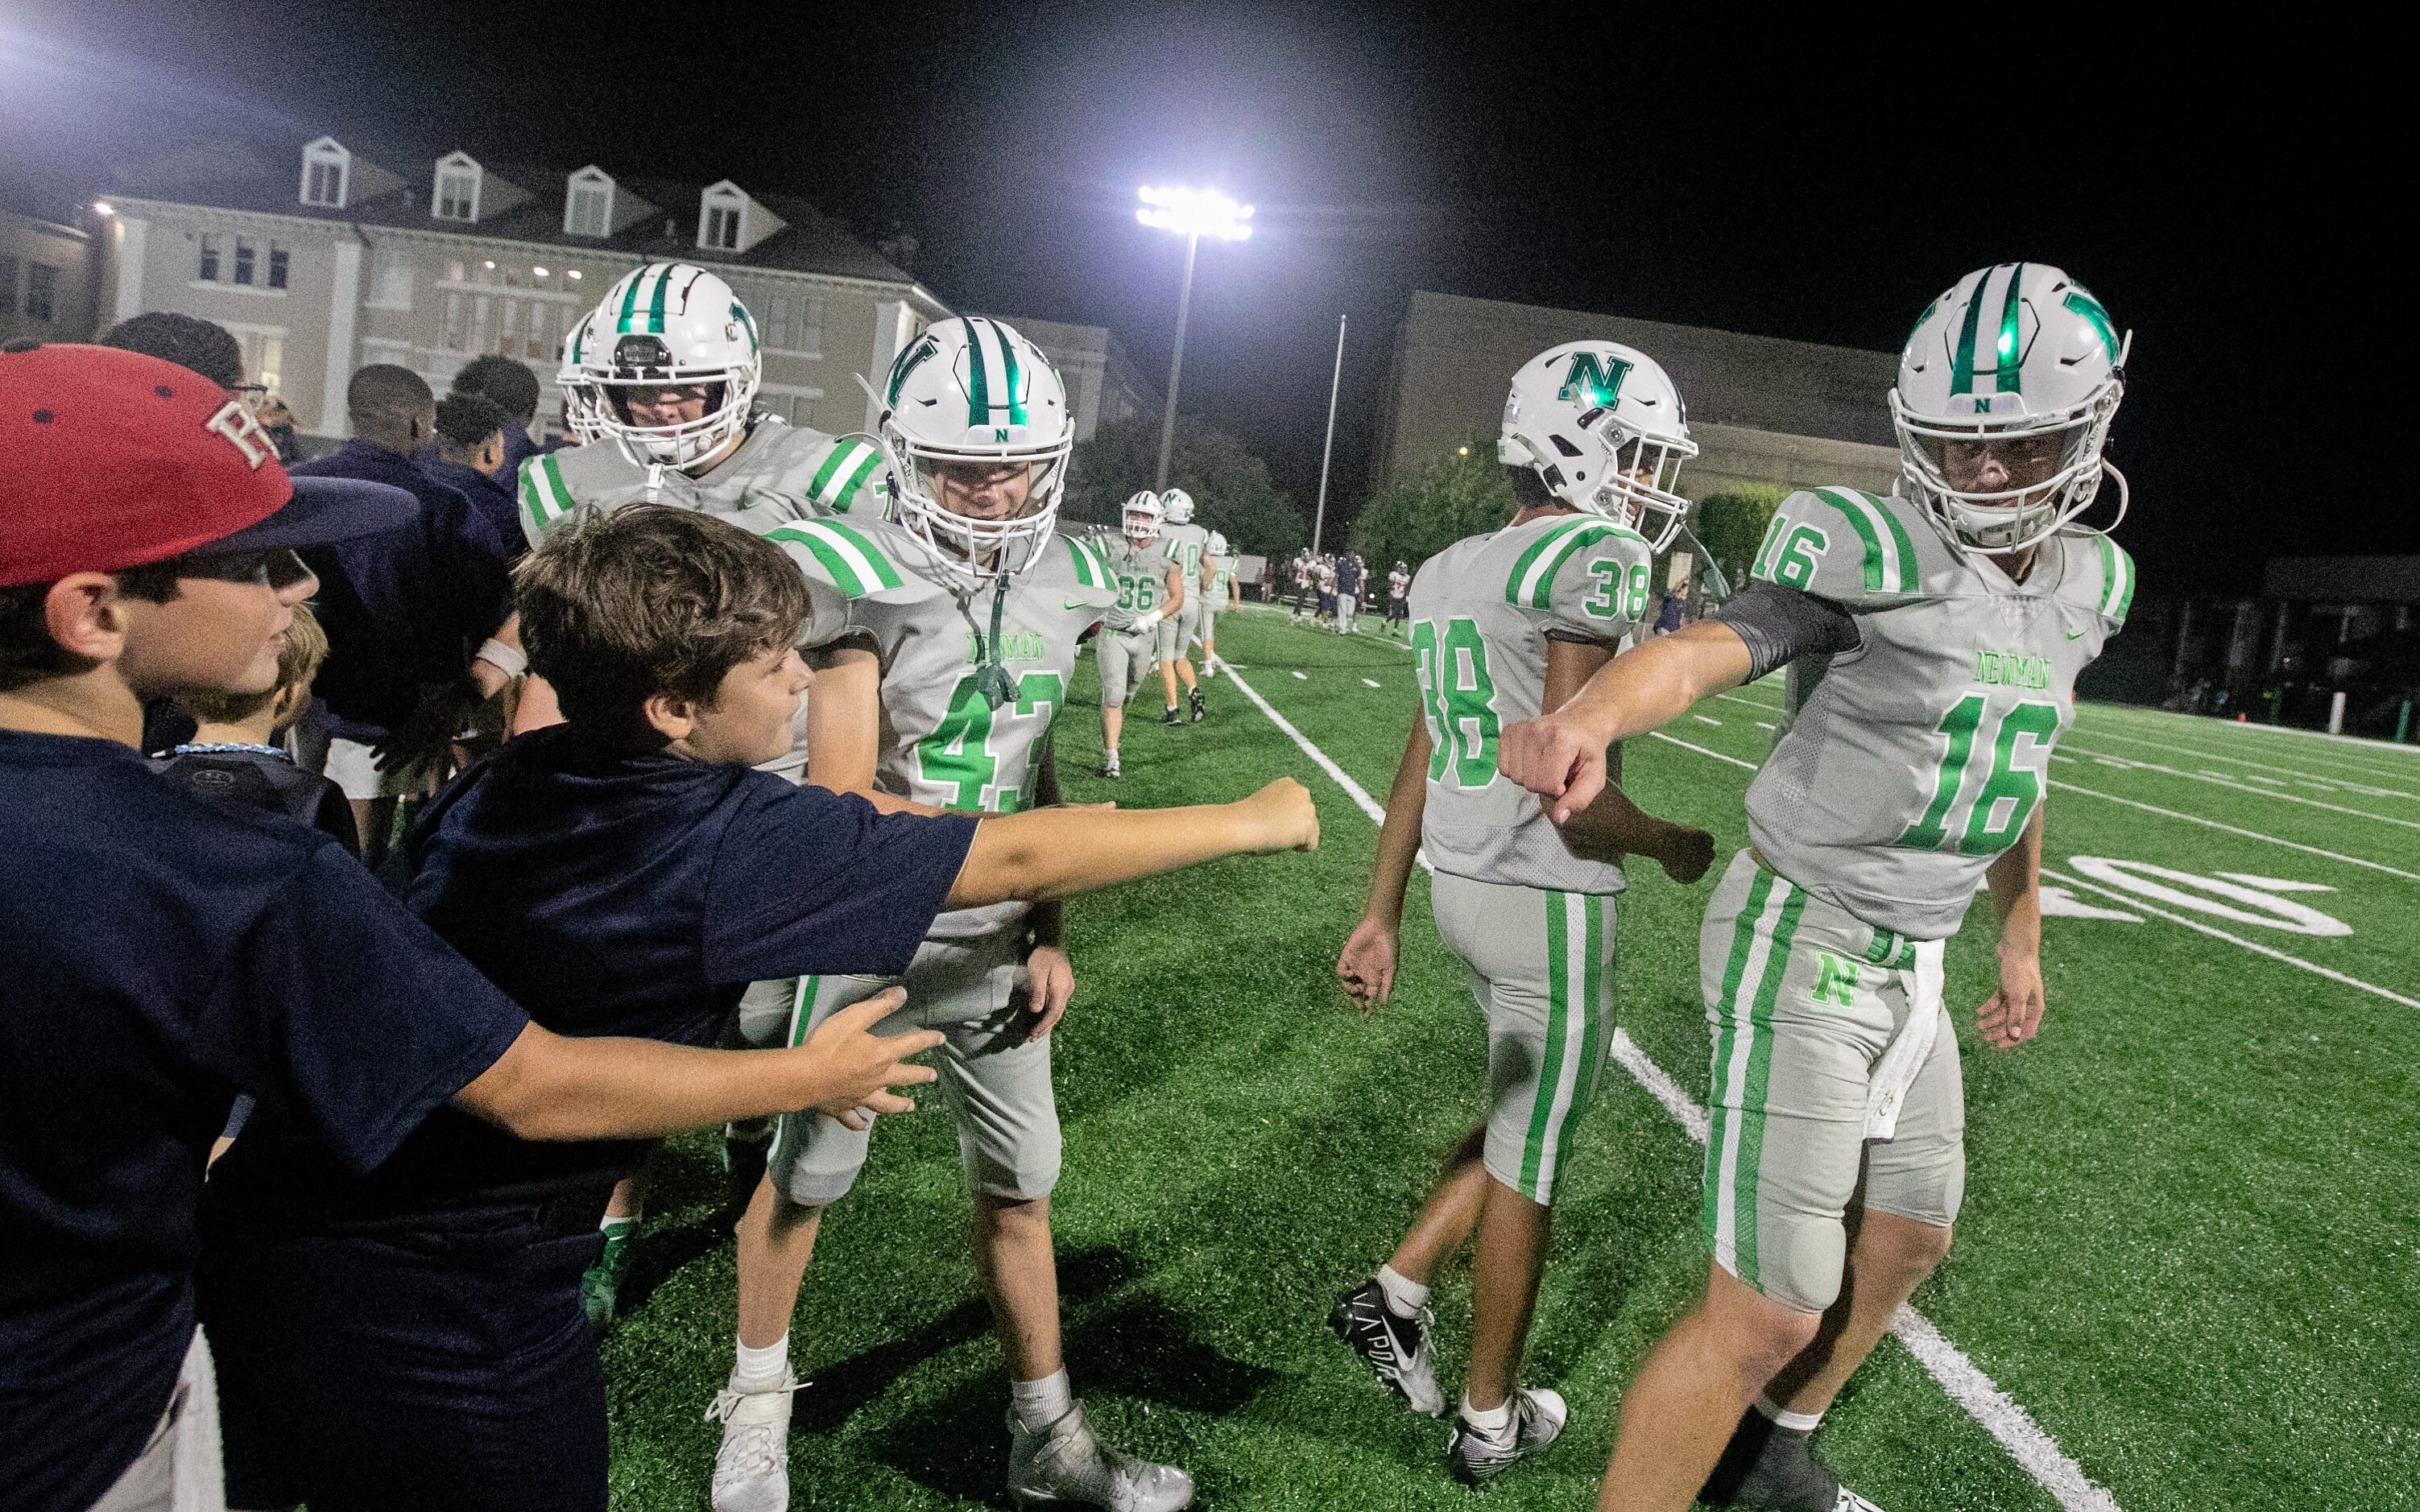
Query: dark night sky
1820	183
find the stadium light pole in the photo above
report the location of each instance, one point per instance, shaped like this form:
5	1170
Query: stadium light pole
1191	214
1319	516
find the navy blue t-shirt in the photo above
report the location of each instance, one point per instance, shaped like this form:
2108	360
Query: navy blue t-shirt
610	893
162	956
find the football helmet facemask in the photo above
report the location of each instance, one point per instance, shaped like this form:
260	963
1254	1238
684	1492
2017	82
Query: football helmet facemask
971	392
1605	431
580	399
2004	396
1141	518
662	325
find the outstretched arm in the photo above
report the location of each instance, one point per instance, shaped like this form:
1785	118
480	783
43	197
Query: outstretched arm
1367	965
1050	853
1612	824
2012	1015
1562	756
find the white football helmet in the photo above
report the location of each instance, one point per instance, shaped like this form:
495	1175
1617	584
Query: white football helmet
1141	518
1217	547
1605	431
2017	356
970	390
668	323
580	400
1180	506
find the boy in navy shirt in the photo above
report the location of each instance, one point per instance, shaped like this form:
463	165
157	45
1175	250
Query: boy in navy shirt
237	753
164	955
414	1337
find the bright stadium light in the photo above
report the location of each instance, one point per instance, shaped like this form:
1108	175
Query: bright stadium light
102	207
1191	214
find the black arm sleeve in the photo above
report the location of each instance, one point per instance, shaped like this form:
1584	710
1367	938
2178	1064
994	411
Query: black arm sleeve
1780	625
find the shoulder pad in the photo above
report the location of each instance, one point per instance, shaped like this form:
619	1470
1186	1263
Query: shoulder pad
1091	569
1546	547
1840	543
2112	588
848	479
859	559
546	502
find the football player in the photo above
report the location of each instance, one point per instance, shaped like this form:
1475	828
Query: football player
1934	636
1399	604
1218	587
659	382
1187	546
1148	582
973	606
1505	625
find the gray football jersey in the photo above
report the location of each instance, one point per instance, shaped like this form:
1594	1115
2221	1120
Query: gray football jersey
1902	768
777	468
1140	576
1481	613
1186	544
942	743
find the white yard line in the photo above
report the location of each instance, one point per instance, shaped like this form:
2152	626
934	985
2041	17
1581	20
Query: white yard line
2248	834
1702	750
1965	1381
2296	772
2133	902
2387	766
1707	720
2218	781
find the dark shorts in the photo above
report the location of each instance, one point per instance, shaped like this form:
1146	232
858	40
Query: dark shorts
1399	608
411	1364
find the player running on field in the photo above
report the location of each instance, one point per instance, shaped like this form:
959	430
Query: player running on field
1189	547
1933	638
1217	588
659	381
1505	625
973	606
1147	581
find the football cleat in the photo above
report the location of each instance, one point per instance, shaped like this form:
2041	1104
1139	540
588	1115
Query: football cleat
1198	710
1171	717
600	1285
1066	1463
752	1470
1772	1469
1395	1348
1109	764
1476	1457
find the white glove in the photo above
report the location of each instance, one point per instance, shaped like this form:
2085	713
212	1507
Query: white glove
1150	621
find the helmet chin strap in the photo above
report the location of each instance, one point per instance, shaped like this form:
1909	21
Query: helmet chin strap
993	681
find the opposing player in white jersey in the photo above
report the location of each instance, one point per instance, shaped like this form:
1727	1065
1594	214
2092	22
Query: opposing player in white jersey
1217	591
1506	625
972	605
1934	636
1399	597
1187	546
1148	583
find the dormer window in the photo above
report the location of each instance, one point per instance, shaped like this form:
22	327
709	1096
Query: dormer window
588	204
326	166
457	196
719	226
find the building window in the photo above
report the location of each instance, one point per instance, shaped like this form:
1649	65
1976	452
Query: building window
588	204
802	411
7	285
277	265
454	271
777	322
244	257
210	261
810	324
451	336
457	189
509	332
326	165
479	324
391	277
722	227
272	362
41	287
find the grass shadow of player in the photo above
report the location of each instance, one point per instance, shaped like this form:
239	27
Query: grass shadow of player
1131	1345
687	1220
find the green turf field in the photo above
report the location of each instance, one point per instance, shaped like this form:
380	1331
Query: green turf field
2190	1247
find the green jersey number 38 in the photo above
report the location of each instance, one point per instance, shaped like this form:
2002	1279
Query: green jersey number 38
1458	698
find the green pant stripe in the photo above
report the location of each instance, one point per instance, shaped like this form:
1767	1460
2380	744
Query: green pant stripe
1559	1012
1596	1008
1759	1074
802	1008
1717	1133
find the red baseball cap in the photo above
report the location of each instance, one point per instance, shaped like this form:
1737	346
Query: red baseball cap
111	459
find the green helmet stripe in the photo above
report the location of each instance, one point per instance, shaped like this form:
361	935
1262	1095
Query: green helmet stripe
2011	369
629	299
747	323
905	362
2091	309
1961	362
978	377
655	304
1008	364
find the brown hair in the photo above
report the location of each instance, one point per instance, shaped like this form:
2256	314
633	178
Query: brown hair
306	647
650	599
28	652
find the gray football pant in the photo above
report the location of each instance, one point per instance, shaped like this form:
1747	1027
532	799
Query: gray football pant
995	1080
1177	631
1804	1000
1126	659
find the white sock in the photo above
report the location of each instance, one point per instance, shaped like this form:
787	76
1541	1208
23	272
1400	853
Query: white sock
1782	1417
1041	1403
762	1370
1494	1422
1404	1296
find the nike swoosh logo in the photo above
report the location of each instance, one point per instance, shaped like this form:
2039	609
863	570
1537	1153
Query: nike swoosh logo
2073	634
1080	603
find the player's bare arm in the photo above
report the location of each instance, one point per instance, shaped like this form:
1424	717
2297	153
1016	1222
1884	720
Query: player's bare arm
1050	853
2012	1015
1612	824
1051	976
1367	965
552	1087
1562	756
1175	591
